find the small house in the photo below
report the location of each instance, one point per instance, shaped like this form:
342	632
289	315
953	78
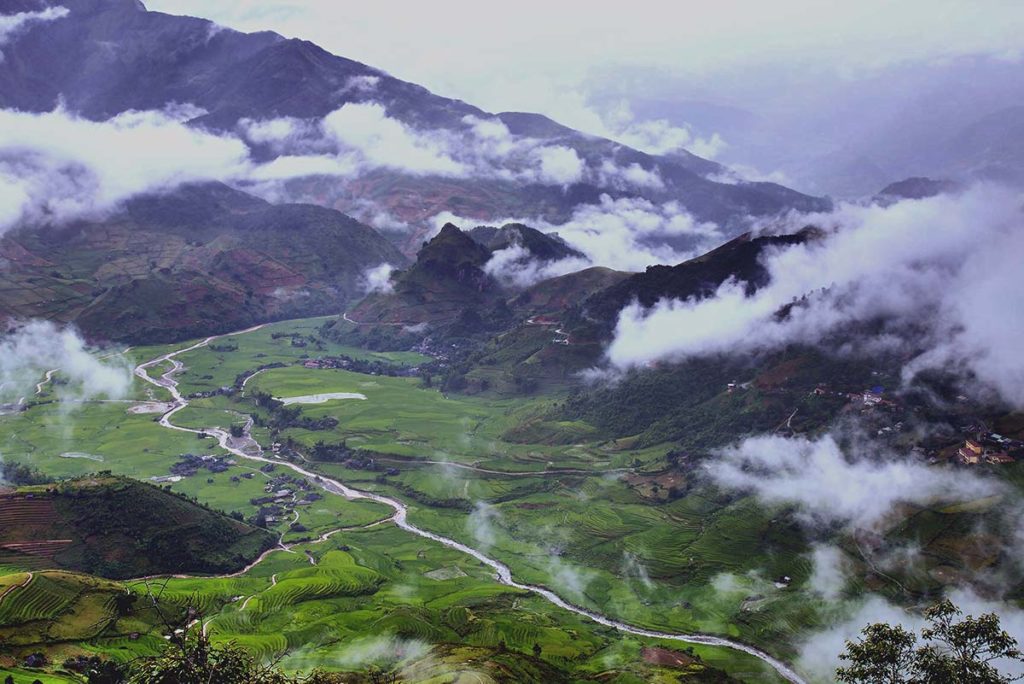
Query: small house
967	456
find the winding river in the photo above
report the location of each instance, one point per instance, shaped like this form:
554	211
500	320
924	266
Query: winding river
501	571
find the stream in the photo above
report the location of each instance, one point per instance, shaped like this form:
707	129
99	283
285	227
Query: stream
501	571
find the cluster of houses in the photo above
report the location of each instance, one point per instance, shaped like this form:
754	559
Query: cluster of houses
360	366
206	394
284	493
992	448
190	464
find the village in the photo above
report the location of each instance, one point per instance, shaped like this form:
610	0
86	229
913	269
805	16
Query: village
886	416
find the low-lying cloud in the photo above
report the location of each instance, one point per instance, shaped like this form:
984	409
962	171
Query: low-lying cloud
481	524
12	24
362	136
828	486
625	234
656	136
515	266
56	166
36	347
947	265
378	279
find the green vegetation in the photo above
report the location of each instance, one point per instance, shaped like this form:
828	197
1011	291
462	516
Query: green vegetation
597	496
955	650
201	260
117	527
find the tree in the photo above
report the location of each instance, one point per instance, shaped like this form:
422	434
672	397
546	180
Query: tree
961	651
883	655
193	659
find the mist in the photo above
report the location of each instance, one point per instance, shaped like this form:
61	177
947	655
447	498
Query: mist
946	267
34	348
829	485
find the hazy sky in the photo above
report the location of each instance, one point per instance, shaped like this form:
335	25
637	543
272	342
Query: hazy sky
537	55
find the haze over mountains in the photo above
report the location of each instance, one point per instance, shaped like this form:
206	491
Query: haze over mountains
502	394
106	58
956	117
188	101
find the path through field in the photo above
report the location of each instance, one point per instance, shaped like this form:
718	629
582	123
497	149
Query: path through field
247	448
15	587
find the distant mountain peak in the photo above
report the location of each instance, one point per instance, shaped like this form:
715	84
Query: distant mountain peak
917	187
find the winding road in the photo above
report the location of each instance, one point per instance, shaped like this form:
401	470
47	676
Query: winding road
247	448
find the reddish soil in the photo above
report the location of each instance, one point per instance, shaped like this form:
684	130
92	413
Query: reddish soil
664	657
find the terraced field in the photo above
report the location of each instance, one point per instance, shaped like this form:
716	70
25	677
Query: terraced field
583	519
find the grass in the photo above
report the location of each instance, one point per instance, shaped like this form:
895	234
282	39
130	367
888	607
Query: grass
693	561
209	369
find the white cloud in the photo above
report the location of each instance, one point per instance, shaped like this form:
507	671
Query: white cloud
734	174
362	136
387	142
372	214
630	233
828	576
382	651
39	346
56	166
829	486
947	264
515	266
364	83
631	176
287	167
656	136
11	24
627	234
559	165
378	279
481	524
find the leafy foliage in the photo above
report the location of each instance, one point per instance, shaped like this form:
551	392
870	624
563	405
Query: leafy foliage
954	650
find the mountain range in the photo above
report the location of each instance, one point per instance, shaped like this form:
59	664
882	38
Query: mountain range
139	271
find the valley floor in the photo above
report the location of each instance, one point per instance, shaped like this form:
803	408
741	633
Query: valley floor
412	531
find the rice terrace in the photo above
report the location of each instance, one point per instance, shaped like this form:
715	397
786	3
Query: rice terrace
382	551
401	343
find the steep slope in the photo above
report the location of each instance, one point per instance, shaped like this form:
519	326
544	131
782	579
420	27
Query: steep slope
110	56
915	188
539	245
203	259
737	259
119	528
445	292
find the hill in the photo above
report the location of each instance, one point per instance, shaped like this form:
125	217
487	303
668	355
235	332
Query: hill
695	278
111	56
201	260
445	293
541	246
119	528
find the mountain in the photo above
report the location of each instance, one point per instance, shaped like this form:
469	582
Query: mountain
957	118
541	246
205	258
510	341
700	277
111	56
120	528
915	188
446	290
